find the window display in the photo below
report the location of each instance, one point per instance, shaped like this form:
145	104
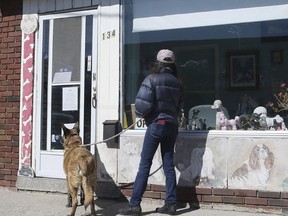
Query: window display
240	62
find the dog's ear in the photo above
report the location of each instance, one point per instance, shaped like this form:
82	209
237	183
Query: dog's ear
76	127
65	130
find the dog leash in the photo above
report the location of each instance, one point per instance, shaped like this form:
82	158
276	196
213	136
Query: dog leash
116	135
131	183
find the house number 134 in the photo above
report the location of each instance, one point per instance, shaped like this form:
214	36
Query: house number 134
108	34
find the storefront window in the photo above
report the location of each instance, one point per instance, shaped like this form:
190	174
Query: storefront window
241	62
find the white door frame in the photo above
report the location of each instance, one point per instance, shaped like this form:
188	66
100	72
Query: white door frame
48	163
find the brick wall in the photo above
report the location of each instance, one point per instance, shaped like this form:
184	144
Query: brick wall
10	64
237	199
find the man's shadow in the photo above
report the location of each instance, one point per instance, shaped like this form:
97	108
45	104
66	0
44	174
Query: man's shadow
191	170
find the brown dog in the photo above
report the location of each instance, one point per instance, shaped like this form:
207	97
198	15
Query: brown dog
79	167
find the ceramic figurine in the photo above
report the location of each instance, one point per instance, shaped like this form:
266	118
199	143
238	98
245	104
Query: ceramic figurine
272	123
227	124
222	121
217	105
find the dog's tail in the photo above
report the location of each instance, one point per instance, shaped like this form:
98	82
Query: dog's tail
88	169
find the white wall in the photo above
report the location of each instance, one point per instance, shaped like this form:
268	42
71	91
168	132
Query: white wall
108	83
218	159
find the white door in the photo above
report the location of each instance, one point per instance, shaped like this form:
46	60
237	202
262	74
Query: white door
65	83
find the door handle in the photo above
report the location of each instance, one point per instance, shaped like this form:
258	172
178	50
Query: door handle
94	100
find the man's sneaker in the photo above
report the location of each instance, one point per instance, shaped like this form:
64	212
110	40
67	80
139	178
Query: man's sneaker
167	208
130	210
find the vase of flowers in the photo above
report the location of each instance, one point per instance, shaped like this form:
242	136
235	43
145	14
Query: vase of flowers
280	104
281	99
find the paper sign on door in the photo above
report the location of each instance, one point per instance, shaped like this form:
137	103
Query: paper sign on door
70	99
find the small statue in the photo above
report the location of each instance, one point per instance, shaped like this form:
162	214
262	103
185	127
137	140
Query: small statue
275	123
217	105
262	111
227	124
222	121
202	122
194	117
193	125
251	121
183	120
272	123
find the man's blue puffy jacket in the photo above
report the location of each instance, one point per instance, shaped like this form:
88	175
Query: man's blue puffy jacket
160	97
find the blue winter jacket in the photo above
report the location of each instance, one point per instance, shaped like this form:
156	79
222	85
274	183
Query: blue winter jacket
160	97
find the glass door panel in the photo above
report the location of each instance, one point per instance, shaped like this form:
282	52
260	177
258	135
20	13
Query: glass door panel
66	79
65	109
66	50
88	79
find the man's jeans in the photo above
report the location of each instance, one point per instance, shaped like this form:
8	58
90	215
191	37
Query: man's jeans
166	135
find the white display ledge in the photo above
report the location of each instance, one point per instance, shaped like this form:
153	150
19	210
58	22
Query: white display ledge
221	133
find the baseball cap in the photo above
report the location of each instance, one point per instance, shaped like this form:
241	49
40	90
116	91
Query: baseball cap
166	56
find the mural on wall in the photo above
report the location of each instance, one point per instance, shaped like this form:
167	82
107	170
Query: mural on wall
195	163
198	164
27	92
257	163
200	169
194	166
129	158
255	171
205	161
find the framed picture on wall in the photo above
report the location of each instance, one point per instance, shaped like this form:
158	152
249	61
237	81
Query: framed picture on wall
242	68
276	56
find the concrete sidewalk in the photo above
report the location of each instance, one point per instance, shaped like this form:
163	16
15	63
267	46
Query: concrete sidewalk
25	203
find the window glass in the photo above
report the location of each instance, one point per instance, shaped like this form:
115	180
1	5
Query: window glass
66	58
241	64
45	54
88	78
66	53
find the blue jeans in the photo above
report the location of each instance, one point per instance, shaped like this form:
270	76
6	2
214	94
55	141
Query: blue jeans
165	135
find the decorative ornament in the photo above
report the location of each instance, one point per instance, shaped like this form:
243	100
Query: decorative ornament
29	24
